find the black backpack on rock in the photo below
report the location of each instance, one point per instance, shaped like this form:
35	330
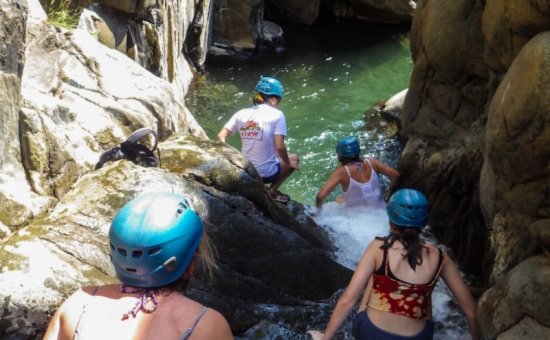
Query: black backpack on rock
132	150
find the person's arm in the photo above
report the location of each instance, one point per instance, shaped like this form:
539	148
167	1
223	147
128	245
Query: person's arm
223	134
54	327
61	325
280	147
464	298
359	280
382	168
331	183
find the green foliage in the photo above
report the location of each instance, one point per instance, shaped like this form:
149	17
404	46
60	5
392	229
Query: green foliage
62	13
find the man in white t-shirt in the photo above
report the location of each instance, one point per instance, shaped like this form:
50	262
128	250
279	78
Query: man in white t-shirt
262	128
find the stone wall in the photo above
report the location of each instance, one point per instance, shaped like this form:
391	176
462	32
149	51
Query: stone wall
476	120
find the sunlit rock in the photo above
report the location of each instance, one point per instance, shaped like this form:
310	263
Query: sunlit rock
80	98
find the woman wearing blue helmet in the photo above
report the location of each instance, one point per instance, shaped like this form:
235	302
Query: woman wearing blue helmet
359	178
263	129
403	270
154	241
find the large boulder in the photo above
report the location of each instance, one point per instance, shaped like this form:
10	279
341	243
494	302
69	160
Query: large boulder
517	149
443	119
259	261
476	118
167	38
80	98
520	298
237	24
19	203
507	26
393	11
305	11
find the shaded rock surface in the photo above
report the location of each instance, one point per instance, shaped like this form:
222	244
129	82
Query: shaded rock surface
475	118
260	262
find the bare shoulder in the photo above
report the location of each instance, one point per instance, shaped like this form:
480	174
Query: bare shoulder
214	326
432	251
78	298
375	246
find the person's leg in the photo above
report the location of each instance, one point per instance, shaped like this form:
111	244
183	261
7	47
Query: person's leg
286	171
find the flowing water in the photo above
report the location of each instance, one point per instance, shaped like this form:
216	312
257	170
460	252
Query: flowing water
332	75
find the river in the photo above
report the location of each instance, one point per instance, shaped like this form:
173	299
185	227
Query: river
333	75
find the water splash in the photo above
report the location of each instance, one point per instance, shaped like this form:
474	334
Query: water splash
352	229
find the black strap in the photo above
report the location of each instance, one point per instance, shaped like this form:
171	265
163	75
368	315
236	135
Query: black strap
133	151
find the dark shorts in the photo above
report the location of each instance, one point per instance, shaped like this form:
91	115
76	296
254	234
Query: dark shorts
362	328
273	177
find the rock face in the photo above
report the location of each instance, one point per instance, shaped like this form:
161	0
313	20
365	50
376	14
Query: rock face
393	11
307	11
475	119
161	36
19	203
237	24
66	99
259	261
443	118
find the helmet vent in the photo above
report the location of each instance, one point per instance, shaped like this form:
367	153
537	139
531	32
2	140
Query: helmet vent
183	206
122	251
137	253
133	270
154	251
171	264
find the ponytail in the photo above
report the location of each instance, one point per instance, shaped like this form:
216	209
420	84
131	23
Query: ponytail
258	99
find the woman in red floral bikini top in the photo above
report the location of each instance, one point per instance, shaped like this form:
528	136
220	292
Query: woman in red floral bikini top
397	275
390	294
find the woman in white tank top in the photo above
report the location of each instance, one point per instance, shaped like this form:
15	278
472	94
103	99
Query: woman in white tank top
359	178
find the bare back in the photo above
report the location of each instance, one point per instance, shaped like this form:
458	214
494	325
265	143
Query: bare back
360	172
103	317
401	269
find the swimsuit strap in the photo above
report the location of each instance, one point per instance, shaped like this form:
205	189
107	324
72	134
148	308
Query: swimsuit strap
439	266
369	164
347	170
84	308
189	330
384	259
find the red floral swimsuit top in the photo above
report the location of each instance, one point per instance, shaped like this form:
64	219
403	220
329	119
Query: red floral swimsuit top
389	294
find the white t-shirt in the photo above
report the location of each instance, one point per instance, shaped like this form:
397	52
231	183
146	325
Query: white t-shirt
257	127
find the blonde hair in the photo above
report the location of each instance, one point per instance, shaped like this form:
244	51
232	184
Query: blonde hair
207	253
258	99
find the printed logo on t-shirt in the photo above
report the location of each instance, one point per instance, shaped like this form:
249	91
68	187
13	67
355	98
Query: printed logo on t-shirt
251	130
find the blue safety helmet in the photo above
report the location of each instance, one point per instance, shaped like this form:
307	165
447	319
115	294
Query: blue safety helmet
270	86
408	208
348	147
153	238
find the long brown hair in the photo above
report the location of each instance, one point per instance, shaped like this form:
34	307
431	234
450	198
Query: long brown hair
410	239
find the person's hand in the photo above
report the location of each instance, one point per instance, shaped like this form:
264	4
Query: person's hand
315	335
